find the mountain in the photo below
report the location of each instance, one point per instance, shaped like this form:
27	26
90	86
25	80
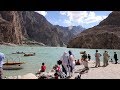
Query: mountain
69	32
71	29
29	27
106	35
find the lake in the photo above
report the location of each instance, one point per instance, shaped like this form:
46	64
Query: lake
48	55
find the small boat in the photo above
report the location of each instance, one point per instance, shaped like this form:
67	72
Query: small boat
13	65
33	54
18	53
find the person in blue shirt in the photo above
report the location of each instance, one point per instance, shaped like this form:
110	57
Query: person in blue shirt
2	57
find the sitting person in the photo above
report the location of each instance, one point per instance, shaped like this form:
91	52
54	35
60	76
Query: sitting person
58	71
43	68
56	76
78	62
85	63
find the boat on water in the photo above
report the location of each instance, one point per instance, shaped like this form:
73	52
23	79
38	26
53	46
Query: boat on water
12	65
30	54
18	53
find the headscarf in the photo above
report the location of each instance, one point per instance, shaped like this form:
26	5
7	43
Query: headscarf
64	58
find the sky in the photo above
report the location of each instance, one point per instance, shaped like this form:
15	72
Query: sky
86	19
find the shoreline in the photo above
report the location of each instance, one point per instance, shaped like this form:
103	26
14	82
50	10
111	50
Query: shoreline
112	71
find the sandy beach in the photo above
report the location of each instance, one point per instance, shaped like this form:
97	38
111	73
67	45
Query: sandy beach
112	71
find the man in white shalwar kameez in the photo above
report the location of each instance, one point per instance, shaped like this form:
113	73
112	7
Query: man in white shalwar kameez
105	59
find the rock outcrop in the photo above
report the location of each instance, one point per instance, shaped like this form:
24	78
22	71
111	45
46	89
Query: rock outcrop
23	27
106	35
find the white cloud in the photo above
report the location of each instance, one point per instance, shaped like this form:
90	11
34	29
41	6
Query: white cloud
44	13
81	17
63	12
68	22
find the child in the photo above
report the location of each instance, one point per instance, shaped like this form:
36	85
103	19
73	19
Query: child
43	68
89	57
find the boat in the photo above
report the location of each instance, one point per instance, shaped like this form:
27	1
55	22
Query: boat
13	65
18	53
30	54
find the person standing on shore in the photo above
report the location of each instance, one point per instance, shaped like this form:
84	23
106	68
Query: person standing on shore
115	57
64	60
71	62
105	58
2	57
89	57
97	58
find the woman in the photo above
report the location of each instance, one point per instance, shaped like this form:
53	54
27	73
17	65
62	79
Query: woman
64	60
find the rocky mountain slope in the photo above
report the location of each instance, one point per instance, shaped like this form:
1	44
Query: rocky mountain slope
106	35
69	32
22	27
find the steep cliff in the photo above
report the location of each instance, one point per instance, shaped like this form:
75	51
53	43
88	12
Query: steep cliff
20	27
106	35
10	27
25	27
40	30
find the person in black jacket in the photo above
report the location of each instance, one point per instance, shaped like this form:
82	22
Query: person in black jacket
115	57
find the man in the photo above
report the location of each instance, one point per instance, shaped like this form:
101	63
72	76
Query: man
2	57
85	63
71	62
105	58
97	58
115	57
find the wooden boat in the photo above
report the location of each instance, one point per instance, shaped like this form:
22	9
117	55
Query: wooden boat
33	54
13	65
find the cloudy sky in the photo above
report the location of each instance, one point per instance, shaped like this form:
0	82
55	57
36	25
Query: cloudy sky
86	19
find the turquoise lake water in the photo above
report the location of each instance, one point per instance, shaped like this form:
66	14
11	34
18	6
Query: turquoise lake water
48	55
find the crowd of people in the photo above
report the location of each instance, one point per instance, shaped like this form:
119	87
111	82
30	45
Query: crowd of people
66	65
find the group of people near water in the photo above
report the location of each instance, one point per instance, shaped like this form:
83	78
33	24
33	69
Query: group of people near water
66	65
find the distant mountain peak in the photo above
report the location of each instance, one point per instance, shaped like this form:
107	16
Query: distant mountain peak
106	35
70	27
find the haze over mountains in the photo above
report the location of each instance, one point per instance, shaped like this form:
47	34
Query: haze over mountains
29	27
106	35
